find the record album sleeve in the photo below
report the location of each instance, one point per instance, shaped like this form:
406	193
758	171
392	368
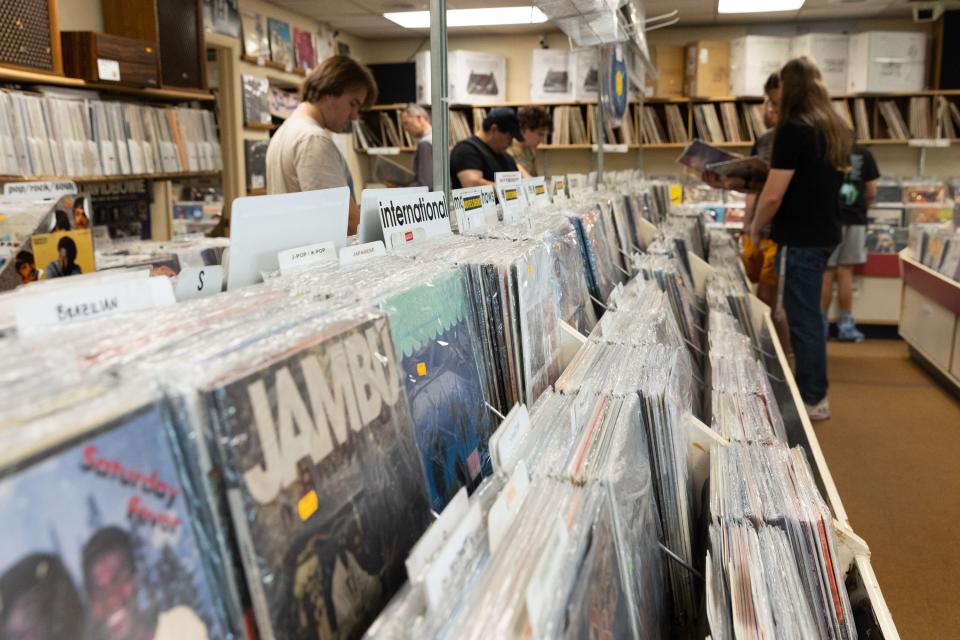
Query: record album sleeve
100	540
436	351
281	42
326	489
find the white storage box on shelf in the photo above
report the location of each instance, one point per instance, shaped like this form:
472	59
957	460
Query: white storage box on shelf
585	66
830	52
753	59
887	61
474	77
550	76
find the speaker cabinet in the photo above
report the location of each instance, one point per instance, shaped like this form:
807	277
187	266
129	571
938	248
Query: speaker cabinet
29	38
177	28
99	57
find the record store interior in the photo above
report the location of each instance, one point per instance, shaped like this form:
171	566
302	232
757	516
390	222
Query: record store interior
479	319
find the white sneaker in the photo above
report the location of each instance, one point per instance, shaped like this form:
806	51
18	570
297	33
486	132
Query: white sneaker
819	411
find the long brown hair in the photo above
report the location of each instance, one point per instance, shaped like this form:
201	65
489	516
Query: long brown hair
804	99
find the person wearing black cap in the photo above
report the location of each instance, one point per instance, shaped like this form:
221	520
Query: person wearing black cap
475	160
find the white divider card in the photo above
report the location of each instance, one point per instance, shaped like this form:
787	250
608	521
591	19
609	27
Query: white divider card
536	190
360	252
473	208
436	581
199	282
551	562
409	218
508	436
262	226
509	185
370	228
39	190
505	507
418	560
301	257
36	313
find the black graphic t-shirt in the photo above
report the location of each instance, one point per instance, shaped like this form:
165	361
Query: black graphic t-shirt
853	191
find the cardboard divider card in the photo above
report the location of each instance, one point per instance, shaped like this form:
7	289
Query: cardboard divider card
42	311
558	187
409	218
536	190
509	186
473	208
301	257
39	190
370	228
360	252
262	226
199	282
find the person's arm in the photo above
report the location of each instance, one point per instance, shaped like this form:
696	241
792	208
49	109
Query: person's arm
353	217
523	171
871	193
770	199
749	204
472	178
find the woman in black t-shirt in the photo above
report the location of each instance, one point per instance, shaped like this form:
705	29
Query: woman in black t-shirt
811	151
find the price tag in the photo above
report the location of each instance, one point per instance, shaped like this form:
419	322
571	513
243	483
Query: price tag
473	207
509	186
39	190
360	252
39	312
301	257
199	282
406	218
536	190
108	69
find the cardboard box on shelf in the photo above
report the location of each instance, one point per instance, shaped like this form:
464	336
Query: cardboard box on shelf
585	65
669	63
550	76
829	51
707	71
474	77
752	60
887	61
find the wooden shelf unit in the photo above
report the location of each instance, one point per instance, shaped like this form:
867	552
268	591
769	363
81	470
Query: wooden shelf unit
9	75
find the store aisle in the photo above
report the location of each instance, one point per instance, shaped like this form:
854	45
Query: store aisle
893	446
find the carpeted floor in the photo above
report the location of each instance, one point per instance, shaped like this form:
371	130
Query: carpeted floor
893	447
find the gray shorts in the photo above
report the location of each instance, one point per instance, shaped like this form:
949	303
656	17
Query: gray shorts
852	248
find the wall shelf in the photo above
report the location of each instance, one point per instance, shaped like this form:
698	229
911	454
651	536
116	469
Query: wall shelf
114	178
259	126
161	93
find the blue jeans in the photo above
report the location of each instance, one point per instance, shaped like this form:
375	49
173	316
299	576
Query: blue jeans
802	281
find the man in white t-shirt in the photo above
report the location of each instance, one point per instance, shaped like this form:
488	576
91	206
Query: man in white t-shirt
303	155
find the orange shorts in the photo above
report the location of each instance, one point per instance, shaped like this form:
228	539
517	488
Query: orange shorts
760	263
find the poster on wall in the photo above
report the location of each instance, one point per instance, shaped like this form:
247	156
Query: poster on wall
222	16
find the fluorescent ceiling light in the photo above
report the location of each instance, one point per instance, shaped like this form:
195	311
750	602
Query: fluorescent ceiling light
758	6
470	17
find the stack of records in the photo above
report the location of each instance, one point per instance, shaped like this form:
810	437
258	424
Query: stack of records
598	242
772	568
659	265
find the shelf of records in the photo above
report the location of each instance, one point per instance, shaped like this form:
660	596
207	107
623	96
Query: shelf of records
671	123
72	136
589	397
